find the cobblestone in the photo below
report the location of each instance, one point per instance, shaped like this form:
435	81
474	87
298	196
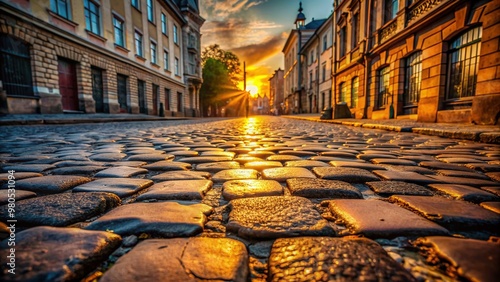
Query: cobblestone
236	183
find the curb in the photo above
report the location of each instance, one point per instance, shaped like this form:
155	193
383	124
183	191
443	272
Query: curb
491	137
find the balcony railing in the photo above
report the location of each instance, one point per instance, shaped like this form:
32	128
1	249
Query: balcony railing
421	7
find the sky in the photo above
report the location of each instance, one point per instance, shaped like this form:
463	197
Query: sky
256	31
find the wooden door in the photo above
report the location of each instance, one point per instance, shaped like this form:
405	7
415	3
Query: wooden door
141	88
97	90
67	85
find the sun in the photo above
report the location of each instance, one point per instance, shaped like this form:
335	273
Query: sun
253	90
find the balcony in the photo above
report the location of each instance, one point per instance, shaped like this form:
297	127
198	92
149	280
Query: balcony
419	8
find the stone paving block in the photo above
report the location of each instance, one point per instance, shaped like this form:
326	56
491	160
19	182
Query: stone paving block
347	174
128	163
121	172
464	192
181	175
388	188
167	166
281	174
177	190
302	154
452	214
107	157
51	184
200	160
57	254
359	165
261	165
144	151
436	165
492	206
27	167
412	168
306	164
332	259
275	217
217	166
493	190
150	157
164	219
283	158
60	209
321	188
184	153
392	162
122	187
454	173
492	175
406	176
248	188
77	170
235	174
370	156
4	177
337	154
182	259
470	259
464	180
460	160
212	153
379	219
19	195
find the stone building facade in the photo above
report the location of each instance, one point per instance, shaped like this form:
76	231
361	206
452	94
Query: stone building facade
429	60
110	56
277	92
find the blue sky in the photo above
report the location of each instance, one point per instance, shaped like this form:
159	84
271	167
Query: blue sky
256	30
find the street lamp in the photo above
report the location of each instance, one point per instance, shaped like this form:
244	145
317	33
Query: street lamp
300	22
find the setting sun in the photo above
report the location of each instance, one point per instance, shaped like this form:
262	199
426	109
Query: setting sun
251	87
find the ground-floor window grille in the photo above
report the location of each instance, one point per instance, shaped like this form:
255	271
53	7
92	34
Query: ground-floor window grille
463	64
413	79
15	66
354	92
383	87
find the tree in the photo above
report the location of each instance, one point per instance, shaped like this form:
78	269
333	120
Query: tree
216	81
229	59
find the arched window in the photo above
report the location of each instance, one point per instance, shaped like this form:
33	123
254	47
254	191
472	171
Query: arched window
343	92
383	87
463	64
413	79
15	66
354	92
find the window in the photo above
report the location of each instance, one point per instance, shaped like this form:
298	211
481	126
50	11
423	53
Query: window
138	44
464	63
413	79
135	3
164	24
391	9
325	42
119	35
15	66
176	66
323	72
176	40
355	30
166	61
312	56
354	92
383	87
61	7
192	63
167	99
343	41
154	58
92	17
343	92
310	80
150	10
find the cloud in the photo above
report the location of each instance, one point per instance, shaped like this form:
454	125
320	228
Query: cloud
223	9
258	52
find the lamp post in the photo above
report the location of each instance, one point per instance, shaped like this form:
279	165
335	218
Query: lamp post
247	98
299	25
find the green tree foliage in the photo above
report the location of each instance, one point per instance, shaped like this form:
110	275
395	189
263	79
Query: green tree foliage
216	82
229	59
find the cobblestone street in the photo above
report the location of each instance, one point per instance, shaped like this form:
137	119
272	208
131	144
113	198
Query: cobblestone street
258	199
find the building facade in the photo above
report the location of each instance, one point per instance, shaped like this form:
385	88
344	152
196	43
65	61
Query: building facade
277	92
429	60
110	56
317	53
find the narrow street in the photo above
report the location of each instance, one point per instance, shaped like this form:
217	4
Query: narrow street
258	199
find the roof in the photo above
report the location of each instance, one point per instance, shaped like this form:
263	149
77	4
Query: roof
314	24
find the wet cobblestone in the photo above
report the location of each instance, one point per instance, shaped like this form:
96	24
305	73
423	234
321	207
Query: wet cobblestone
237	190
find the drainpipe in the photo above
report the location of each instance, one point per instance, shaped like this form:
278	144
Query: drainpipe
334	59
317	81
368	10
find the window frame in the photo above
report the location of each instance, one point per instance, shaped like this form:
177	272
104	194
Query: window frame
176	66
413	68
176	35
88	16
354	94
166	60
121	30
391	9
355	29
343	42
139	49
54	7
383	75
343	92
325	42
150	10
164	24
136	4
153	52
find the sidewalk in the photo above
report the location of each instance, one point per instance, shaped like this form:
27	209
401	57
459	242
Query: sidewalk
472	132
29	119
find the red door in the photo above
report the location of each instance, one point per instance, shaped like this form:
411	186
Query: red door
67	85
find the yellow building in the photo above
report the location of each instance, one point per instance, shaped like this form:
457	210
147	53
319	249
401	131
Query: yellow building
111	56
